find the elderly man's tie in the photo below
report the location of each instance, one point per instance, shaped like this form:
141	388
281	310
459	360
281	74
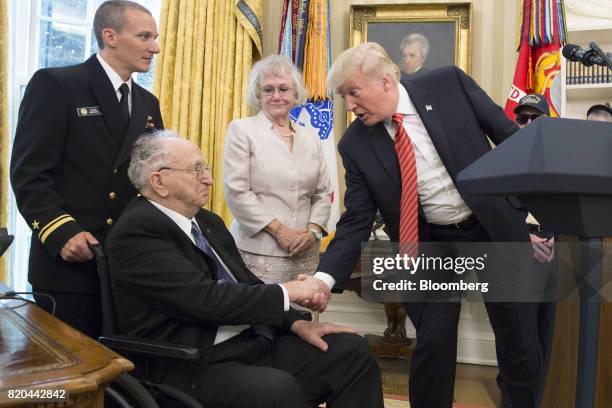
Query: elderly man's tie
409	204
223	276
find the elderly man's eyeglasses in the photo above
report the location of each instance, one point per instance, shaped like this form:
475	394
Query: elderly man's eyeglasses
269	90
200	171
524	118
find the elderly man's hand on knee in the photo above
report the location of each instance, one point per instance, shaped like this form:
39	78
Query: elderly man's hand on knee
312	332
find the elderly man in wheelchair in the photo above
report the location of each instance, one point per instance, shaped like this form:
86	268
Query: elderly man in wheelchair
178	282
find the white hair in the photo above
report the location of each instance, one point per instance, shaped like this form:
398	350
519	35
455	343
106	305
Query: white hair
273	65
417	38
369	58
149	154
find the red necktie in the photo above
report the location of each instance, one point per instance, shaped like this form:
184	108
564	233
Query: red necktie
409	204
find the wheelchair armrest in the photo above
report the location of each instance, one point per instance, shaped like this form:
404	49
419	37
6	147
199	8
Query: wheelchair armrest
150	348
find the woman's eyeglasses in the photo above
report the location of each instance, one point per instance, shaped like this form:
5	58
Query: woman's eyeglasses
269	91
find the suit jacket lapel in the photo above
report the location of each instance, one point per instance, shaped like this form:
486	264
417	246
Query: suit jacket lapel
427	110
227	260
138	122
106	96
178	234
383	148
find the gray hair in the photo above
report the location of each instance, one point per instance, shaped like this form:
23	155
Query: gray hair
149	153
600	115
416	38
274	65
369	58
111	14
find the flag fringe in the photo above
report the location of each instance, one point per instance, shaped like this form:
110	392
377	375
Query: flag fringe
542	22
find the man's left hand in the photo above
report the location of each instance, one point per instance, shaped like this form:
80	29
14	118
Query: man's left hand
543	248
311	332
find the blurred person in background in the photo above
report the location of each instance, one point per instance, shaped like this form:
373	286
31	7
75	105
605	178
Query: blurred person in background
600	112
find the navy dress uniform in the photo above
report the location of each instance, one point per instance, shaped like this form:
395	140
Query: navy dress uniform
69	174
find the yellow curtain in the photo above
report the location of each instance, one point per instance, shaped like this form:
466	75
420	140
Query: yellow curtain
4	127
207	50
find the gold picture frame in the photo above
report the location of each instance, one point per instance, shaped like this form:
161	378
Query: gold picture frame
447	26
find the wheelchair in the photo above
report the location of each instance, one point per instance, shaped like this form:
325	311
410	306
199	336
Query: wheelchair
137	391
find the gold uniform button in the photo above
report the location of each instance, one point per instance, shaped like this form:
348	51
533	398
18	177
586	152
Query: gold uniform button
109	221
112	195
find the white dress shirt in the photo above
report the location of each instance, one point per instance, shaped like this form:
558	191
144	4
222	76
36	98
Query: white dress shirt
228	331
116	81
441	202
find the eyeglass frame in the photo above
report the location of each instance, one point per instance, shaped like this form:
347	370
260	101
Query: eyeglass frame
200	171
272	90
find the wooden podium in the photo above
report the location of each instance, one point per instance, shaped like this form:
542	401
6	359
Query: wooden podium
40	354
560	390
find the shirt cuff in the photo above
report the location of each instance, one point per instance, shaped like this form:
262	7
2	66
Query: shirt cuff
286	303
326	278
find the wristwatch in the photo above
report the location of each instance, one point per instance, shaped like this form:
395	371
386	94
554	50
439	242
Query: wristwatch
317	233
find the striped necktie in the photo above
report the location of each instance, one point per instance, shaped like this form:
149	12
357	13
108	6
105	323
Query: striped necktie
409	203
201	242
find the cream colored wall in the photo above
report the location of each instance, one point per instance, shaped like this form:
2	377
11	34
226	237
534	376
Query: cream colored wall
494	35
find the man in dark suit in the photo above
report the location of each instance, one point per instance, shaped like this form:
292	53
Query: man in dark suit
75	131
402	156
177	276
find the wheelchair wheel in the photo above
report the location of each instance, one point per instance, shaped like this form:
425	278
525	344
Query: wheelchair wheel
127	392
171	397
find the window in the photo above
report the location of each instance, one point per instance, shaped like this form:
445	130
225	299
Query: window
48	33
66	36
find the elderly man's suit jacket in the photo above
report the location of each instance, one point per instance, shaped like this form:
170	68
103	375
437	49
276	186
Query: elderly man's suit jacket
458	116
165	288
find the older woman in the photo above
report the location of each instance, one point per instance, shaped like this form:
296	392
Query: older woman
275	178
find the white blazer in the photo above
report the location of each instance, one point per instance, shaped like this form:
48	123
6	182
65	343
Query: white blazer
263	180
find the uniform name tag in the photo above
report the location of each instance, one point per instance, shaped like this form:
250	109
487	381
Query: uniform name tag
89	111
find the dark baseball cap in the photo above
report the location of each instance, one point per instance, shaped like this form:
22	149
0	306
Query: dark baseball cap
536	101
600	107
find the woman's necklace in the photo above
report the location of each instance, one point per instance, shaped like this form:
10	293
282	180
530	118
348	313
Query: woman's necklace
282	131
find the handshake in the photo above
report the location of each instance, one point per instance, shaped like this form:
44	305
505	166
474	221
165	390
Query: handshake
309	292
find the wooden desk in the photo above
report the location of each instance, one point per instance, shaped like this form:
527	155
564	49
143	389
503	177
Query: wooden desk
38	351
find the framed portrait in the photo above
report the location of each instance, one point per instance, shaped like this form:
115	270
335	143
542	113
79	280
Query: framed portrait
417	36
